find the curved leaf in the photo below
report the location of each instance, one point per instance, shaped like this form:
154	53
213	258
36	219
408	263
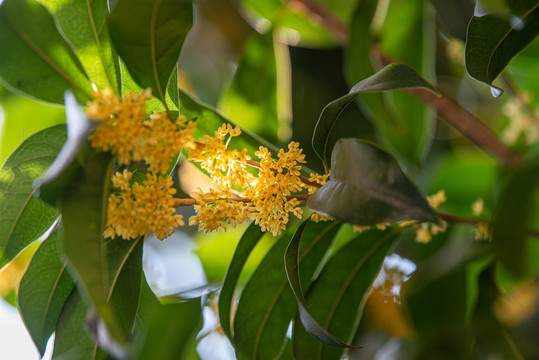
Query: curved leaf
392	77
25	218
43	290
367	187
83	23
149	35
170	329
493	40
35	59
267	304
248	241
71	341
336	299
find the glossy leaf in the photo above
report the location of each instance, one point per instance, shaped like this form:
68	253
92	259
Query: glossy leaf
248	241
43	290
24	218
53	181
494	39
83	23
71	339
170	329
335	301
39	63
367	187
267	304
149	35
513	218
254	105
392	77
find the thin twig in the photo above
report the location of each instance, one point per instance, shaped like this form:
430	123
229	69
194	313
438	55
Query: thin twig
189	202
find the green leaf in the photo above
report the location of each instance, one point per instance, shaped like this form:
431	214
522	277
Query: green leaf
170	329
53	181
248	240
83	23
493	40
43	290
392	77
513	217
335	300
367	187
149	35
36	59
24	218
267	304
72	342
254	105
208	120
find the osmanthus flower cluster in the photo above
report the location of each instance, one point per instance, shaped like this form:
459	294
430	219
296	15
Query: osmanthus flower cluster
266	191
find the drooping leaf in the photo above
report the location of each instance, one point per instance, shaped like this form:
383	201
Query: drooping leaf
83	23
367	187
43	290
170	329
335	300
71	339
35	59
392	77
24	218
267	304
249	239
512	218
494	39
53	181
254	105
149	35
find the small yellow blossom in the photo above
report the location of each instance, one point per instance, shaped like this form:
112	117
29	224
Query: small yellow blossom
423	234
482	231
437	199
478	207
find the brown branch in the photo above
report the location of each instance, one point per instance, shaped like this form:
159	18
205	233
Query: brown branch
189	202
456	219
462	120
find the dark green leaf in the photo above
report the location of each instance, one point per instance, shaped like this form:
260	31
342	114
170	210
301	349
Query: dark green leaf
512	218
249	239
267	304
35	59
254	105
149	35
51	185
392	77
24	218
72	342
493	40
43	290
83	24
170	329
367	187
335	300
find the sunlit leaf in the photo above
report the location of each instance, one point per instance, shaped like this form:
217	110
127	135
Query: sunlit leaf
367	187
36	59
254	104
25	218
149	35
392	77
170	329
83	24
51	184
71	339
494	39
43	290
249	239
267	304
335	301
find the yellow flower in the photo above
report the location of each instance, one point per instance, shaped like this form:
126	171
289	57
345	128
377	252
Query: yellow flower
437	199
